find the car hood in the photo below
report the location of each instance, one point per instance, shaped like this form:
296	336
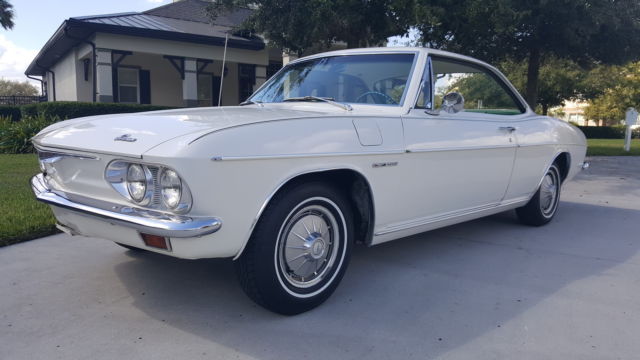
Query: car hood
134	134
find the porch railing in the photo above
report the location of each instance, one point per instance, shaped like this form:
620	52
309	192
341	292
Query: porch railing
20	99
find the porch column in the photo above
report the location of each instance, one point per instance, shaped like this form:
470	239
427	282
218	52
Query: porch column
190	83
261	76
287	58
104	76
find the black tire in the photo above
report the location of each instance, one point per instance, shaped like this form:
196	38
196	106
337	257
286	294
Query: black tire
132	248
274	264
541	209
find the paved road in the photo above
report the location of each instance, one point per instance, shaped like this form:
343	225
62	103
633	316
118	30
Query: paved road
487	289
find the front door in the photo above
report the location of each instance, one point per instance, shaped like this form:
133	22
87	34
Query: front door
460	162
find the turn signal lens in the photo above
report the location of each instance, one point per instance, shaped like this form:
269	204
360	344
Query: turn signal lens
156	241
136	182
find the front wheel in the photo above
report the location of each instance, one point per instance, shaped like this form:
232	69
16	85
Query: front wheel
299	249
543	205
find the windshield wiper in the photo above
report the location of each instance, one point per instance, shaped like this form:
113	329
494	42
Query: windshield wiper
324	99
250	102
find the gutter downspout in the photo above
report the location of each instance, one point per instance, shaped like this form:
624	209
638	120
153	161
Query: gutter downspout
93	60
41	84
53	80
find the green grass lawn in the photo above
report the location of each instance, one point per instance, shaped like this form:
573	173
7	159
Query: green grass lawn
22	217
612	147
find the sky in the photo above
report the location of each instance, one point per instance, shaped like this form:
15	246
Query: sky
37	20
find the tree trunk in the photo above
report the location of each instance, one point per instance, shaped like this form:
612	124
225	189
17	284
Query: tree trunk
545	109
533	71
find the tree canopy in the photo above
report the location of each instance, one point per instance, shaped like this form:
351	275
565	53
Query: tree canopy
11	87
560	80
6	15
300	26
624	92
531	37
604	31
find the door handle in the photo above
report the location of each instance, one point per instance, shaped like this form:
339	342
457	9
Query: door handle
508	129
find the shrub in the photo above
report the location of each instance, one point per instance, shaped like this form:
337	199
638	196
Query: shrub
12	112
15	136
608	132
72	109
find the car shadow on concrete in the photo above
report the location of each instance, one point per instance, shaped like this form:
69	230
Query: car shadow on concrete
417	297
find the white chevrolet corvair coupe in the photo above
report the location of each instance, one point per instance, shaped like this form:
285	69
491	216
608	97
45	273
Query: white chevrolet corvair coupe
355	146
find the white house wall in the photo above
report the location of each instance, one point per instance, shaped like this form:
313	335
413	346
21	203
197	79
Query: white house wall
65	71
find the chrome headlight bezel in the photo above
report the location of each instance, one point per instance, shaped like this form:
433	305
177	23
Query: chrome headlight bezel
170	188
116	176
145	180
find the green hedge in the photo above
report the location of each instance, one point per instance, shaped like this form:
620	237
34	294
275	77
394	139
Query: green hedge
12	112
15	136
72	109
607	132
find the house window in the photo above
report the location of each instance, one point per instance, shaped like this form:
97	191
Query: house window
205	90
128	85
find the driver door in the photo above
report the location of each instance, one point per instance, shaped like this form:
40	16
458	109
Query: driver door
459	162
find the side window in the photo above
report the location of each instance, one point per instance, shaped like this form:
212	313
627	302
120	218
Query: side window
424	100
483	92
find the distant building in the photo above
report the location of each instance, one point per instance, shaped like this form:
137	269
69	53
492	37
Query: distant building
573	111
170	55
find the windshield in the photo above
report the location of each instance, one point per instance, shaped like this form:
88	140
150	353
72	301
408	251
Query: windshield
360	79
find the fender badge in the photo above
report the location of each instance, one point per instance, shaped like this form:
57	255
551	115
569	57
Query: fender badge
125	137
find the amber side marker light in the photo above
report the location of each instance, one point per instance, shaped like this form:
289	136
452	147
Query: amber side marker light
159	242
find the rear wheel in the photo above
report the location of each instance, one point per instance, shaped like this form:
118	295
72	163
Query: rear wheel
544	204
299	249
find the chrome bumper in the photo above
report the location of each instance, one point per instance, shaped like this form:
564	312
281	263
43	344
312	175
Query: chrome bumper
146	221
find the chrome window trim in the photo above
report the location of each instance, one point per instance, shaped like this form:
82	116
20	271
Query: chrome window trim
401	103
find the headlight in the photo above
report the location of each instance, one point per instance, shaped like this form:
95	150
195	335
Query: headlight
136	182
150	186
171	188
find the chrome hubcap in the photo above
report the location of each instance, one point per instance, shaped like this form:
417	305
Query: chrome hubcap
308	247
548	193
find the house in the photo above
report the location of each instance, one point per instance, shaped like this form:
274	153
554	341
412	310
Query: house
573	111
171	55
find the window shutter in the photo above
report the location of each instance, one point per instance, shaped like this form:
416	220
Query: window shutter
145	86
215	94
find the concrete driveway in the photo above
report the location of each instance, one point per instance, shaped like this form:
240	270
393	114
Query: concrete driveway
487	289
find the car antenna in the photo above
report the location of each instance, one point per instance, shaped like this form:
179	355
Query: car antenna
224	58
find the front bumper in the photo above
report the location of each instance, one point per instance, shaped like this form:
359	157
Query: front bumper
144	221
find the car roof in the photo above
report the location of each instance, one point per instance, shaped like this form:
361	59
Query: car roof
393	49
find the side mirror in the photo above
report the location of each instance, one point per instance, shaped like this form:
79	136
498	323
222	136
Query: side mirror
452	103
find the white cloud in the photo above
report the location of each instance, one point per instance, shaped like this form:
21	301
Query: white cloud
14	60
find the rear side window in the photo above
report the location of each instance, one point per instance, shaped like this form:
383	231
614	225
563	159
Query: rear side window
482	90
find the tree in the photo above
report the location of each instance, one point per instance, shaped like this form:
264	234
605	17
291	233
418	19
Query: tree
559	80
605	31
10	87
609	107
6	15
299	26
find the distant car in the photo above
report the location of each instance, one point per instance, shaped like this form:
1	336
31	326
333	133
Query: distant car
354	146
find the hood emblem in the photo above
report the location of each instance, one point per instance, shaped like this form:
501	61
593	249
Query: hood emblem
125	137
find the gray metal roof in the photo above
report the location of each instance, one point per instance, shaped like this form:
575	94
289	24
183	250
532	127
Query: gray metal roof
128	19
185	20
